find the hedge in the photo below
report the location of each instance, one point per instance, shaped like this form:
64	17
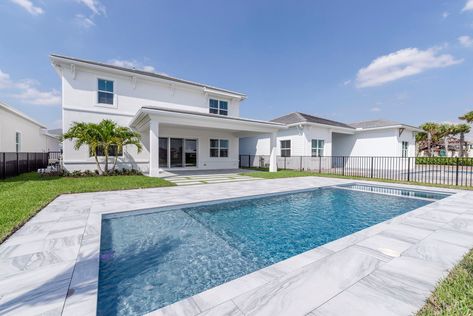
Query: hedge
448	161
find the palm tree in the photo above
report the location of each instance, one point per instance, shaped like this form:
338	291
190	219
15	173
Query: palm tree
85	134
468	117
431	130
123	137
445	131
462	129
103	135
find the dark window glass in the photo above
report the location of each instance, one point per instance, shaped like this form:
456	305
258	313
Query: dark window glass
213	106
163	152
285	148
112	151
105	97
191	153
213	152
223	108
105	85
176	152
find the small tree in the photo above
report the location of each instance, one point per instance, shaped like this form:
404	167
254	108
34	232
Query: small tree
468	117
445	131
103	135
462	129
431	129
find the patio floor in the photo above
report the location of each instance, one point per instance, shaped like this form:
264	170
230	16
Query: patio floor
50	266
206	176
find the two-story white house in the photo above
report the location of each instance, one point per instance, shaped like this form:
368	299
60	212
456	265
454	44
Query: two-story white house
183	124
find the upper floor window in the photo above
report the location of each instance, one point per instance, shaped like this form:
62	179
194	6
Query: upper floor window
317	147
219	148
286	148
105	92
18	141
218	107
405	149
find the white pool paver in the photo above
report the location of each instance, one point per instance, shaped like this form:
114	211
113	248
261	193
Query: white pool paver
50	265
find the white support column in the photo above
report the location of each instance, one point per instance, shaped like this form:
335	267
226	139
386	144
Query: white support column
273	166
153	148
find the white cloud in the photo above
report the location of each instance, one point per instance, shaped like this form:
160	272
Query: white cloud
468	6
131	64
375	109
445	14
29	6
84	21
466	41
95	6
403	63
346	82
27	91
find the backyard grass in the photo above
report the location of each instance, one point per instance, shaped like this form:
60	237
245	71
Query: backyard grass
454	295
23	196
263	173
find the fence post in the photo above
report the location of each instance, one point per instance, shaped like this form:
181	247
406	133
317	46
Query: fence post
408	169
17	164
343	165
320	164
456	172
371	167
300	164
27	162
239	161
4	167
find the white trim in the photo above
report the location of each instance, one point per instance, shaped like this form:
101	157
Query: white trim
97	111
412	128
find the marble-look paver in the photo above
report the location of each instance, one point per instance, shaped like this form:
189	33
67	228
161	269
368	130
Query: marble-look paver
50	265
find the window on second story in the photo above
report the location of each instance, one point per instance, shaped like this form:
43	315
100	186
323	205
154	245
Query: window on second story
18	141
218	107
105	92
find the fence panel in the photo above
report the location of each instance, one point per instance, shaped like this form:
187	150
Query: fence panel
13	164
433	170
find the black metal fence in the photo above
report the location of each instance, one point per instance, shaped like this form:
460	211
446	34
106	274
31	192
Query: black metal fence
449	171
13	164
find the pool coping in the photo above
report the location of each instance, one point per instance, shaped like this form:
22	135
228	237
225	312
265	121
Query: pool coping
79	276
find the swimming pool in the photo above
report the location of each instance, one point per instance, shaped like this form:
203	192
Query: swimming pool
153	259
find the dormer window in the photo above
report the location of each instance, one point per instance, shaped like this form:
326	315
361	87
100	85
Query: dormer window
218	107
105	92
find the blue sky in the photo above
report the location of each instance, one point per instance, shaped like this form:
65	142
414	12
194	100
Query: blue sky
404	60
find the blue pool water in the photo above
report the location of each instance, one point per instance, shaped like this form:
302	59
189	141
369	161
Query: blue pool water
155	259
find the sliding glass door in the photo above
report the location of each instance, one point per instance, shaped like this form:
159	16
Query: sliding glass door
177	152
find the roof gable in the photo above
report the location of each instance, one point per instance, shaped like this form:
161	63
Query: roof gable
298	117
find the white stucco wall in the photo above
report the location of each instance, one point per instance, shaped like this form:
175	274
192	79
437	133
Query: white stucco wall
33	138
300	137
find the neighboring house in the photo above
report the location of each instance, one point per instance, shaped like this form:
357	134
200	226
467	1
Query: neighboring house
183	124
308	135
19	133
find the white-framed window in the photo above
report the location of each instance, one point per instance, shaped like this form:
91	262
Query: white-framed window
318	147
219	148
405	149
18	141
105	91
218	107
285	148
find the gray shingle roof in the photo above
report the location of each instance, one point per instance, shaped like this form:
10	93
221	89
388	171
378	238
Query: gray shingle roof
147	73
297	117
377	123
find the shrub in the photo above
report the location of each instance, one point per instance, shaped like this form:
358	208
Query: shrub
446	161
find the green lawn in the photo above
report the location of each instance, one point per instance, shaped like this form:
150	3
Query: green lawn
263	173
23	196
454	295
